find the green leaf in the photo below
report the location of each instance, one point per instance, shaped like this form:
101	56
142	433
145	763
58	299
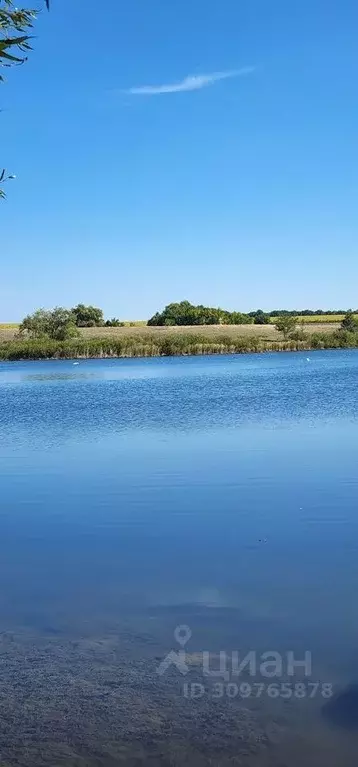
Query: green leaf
9	57
13	41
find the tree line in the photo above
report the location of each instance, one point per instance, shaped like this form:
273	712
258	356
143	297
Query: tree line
185	313
61	324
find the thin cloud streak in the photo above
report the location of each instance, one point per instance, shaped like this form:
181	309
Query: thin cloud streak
190	83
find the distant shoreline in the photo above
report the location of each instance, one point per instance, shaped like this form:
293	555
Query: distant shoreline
169	344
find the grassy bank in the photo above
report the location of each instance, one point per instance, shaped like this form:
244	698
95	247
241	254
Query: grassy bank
166	345
208	332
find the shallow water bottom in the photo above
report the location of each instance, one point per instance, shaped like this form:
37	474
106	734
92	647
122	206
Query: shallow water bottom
201	506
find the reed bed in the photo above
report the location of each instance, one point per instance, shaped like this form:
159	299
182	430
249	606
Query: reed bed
153	345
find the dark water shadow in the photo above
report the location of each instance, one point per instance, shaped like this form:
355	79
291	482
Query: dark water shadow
342	709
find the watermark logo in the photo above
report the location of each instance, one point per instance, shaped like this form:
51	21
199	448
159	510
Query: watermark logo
231	690
182	635
229	666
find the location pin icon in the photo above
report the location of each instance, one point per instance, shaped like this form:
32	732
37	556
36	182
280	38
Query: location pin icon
182	634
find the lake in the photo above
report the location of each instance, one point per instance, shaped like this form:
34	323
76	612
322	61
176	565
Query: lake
218	494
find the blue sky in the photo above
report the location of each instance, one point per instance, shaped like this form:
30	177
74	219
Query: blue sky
236	184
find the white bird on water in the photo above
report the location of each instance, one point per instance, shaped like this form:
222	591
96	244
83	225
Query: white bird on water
76	363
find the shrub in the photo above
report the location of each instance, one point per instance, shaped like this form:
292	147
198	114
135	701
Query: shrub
57	324
350	323
286	325
299	335
114	323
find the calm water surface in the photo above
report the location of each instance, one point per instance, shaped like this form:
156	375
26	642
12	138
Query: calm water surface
219	493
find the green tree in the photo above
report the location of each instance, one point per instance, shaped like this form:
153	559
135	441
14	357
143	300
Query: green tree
114	323
185	313
58	324
286	325
350	322
261	318
238	318
88	316
156	320
15	28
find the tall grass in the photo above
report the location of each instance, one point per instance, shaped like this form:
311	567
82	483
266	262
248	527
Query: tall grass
167	345
312	319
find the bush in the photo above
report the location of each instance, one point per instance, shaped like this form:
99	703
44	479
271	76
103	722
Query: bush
299	335
57	324
286	325
350	323
114	323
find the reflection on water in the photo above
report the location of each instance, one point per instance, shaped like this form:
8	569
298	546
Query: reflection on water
138	495
58	376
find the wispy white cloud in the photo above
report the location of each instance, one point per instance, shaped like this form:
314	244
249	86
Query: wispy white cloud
190	83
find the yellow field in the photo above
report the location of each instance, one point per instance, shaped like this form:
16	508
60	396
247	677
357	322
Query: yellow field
8	330
321	324
211	332
135	323
320	318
